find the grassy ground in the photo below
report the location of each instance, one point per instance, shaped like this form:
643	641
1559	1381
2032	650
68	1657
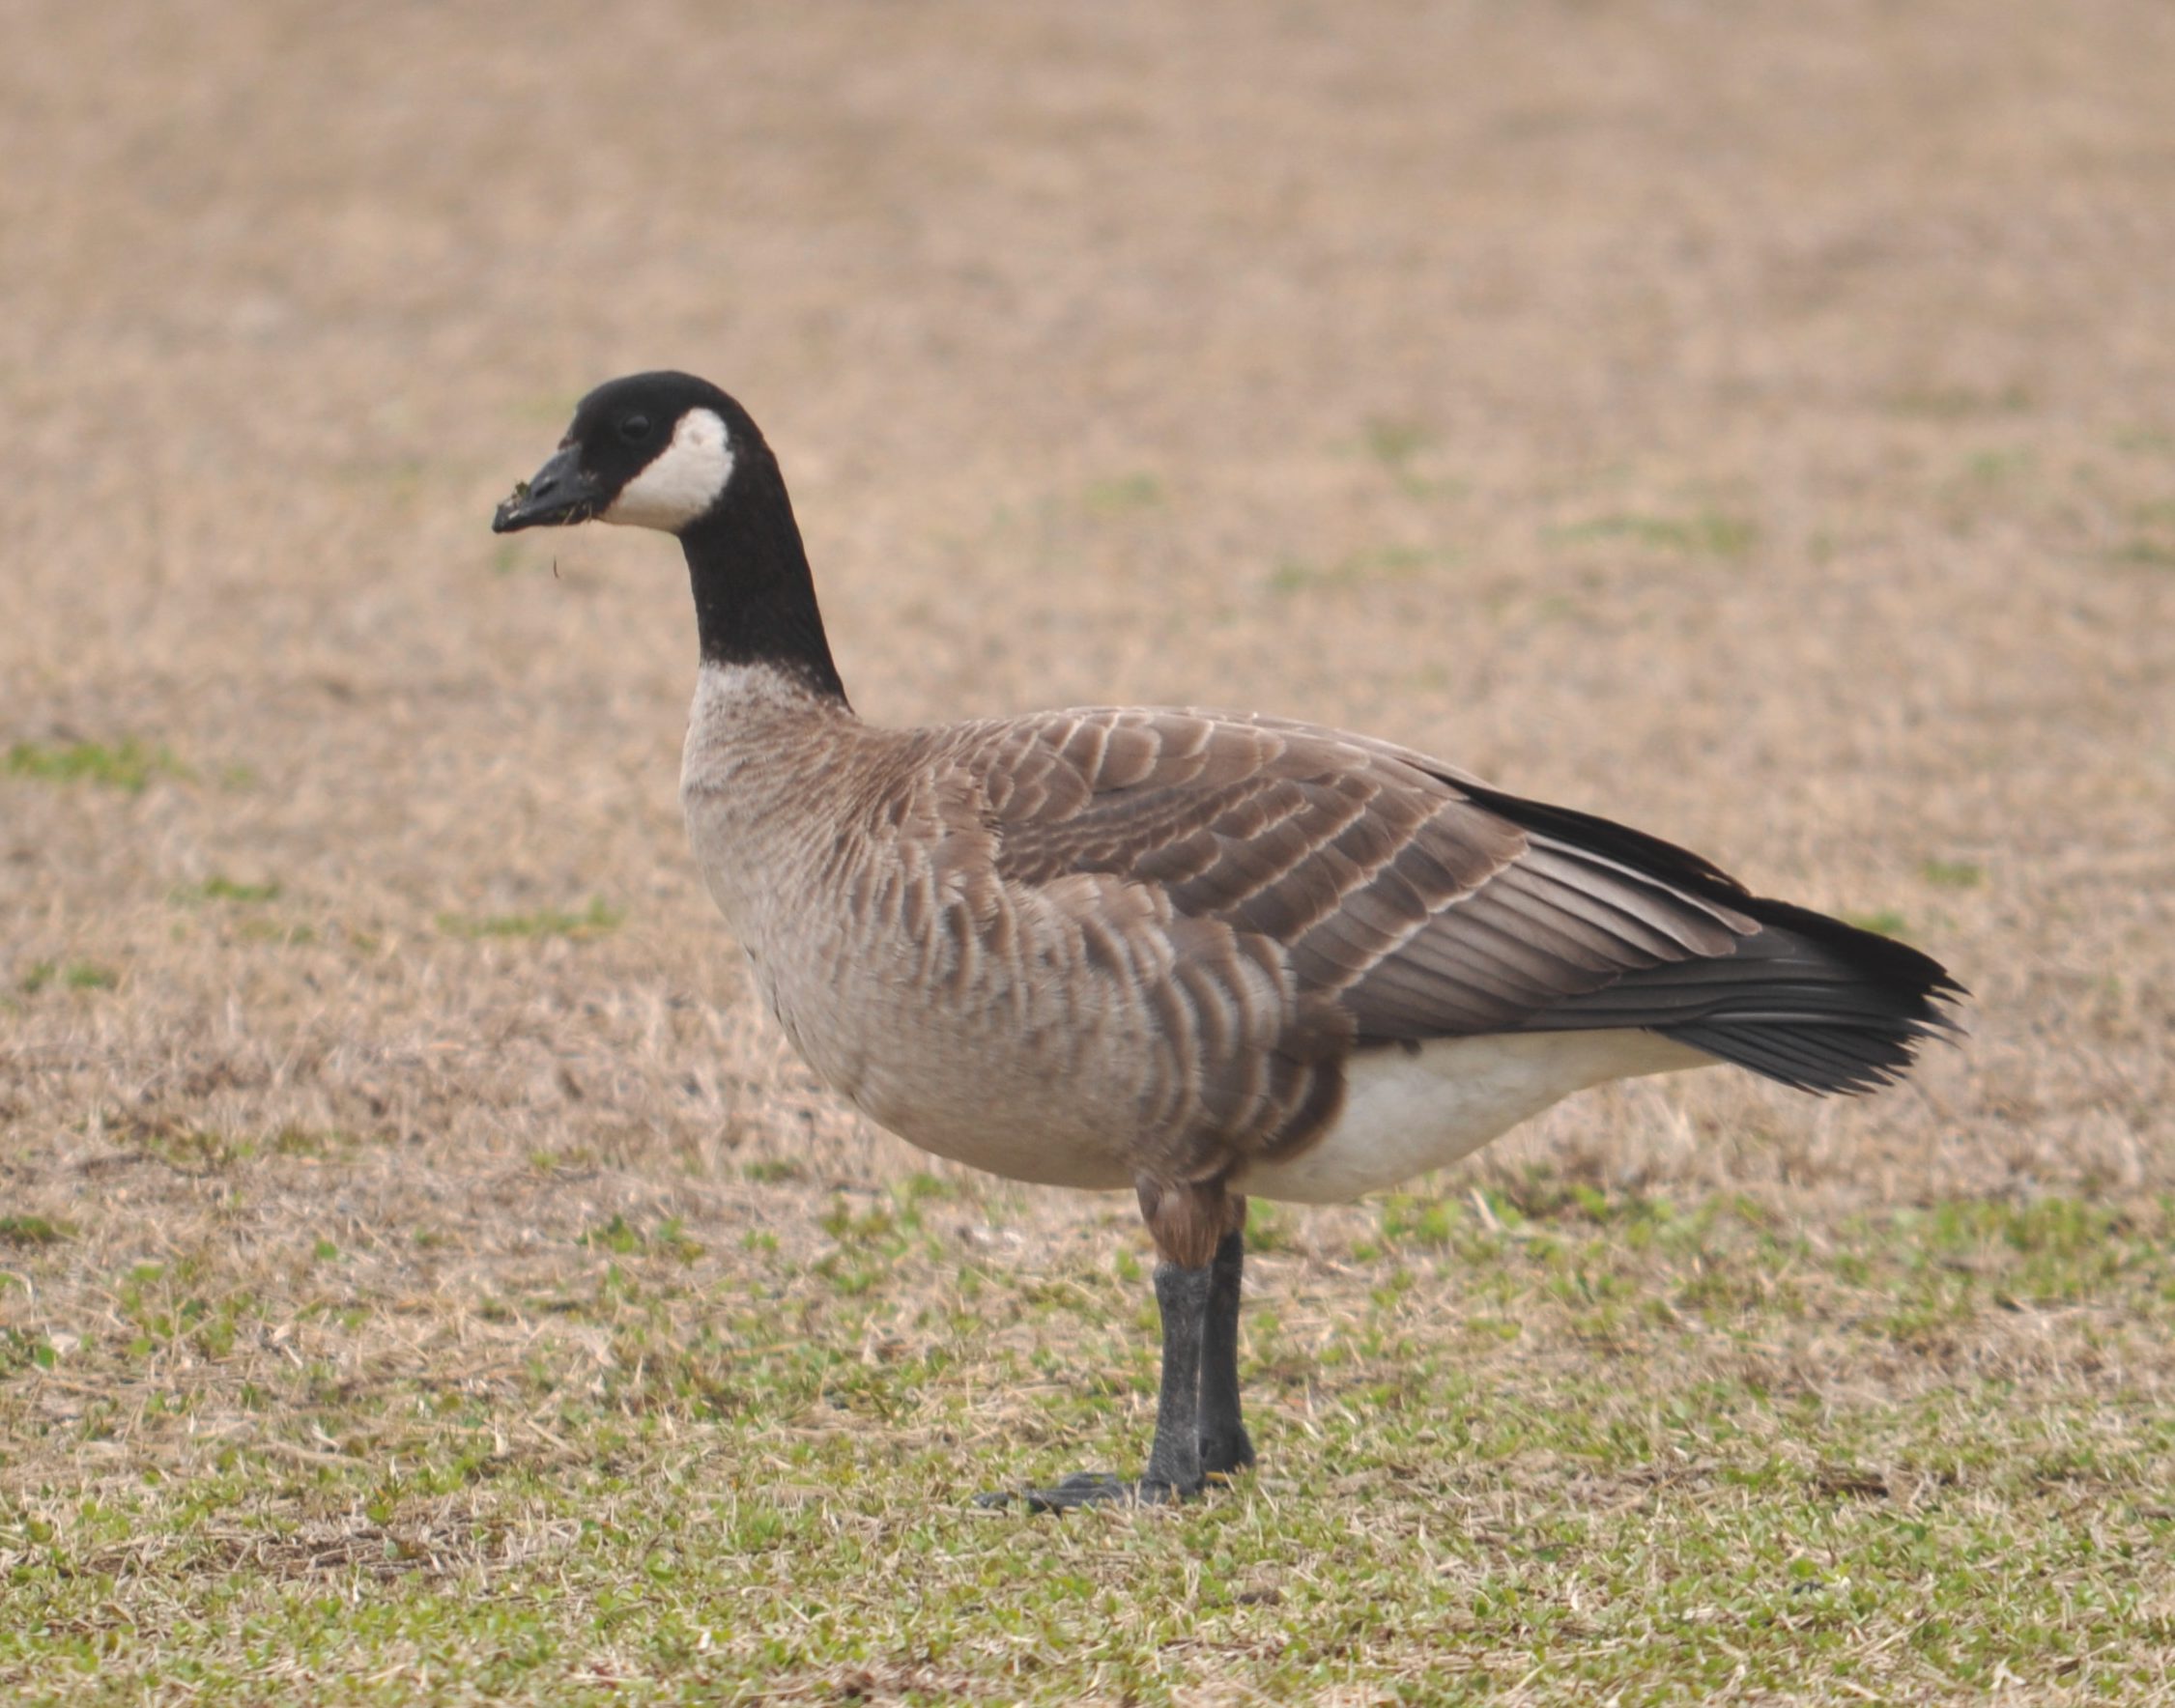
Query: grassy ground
424	1273
1585	1449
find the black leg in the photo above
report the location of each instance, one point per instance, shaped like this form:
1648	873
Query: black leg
1224	1446
1174	1460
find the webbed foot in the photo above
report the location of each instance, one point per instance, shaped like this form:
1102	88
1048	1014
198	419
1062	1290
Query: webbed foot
1091	1488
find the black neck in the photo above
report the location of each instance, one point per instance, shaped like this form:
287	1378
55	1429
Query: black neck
755	601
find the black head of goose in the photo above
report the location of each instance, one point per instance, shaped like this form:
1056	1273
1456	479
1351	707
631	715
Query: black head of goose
1197	954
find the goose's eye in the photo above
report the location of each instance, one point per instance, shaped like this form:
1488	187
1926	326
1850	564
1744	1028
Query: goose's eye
634	429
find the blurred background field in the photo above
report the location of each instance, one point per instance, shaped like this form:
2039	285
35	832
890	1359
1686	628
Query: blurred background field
1754	423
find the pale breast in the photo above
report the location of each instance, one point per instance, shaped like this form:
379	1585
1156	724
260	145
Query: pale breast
950	1011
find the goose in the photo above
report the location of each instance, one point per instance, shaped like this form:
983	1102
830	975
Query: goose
1199	955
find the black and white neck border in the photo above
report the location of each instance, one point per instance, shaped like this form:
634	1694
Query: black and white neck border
755	595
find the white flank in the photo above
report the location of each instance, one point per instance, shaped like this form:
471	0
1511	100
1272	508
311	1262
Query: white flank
683	481
1406	1112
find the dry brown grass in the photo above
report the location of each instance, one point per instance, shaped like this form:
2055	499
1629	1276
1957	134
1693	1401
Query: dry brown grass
1757	428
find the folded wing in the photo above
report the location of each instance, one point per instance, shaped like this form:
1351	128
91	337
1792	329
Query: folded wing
1428	905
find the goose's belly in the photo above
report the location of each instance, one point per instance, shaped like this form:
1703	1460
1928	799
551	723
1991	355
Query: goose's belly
1024	1083
1408	1111
1051	1103
969	1084
1014	1078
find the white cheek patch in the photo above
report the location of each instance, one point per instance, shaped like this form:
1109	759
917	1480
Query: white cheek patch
683	481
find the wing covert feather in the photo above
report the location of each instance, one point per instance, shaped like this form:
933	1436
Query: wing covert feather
1387	885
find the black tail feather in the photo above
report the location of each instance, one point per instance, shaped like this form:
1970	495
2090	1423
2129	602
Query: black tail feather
1807	1000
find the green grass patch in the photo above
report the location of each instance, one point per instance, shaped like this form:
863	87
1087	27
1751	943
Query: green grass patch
1394	442
1997	467
1124	495
217	888
282	931
1711	533
186	1149
1954	875
771	1172
78	975
31	1230
594	921
312	1142
1538	1442
1378	563
1399	445
1959	403
623	1238
129	766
